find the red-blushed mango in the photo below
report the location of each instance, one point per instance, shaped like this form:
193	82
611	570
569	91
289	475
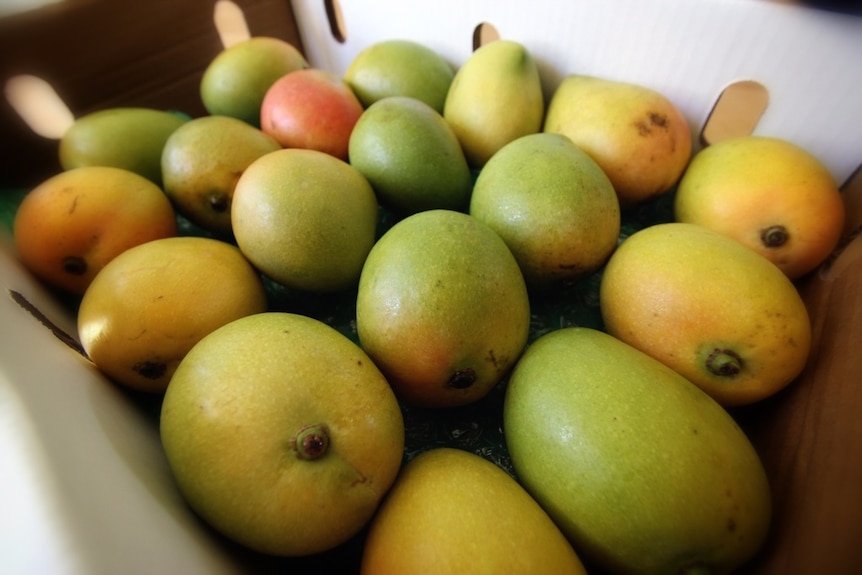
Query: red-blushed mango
719	313
71	225
442	308
770	194
311	109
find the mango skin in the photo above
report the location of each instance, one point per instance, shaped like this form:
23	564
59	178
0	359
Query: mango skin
305	218
411	156
644	472
553	206
495	97
128	137
452	511
235	410
237	79
745	186
687	295
636	134
442	308
400	67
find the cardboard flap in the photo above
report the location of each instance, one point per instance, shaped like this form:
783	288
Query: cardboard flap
100	54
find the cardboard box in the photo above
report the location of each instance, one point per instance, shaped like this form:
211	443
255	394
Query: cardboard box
85	487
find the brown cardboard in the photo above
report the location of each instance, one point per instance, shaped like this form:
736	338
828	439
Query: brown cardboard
103	53
810	437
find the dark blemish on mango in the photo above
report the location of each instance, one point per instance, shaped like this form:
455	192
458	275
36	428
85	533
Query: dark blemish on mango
642	128
150	369
653	120
658	120
75	265
731	525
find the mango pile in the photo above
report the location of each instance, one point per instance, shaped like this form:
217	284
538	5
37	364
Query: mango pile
433	318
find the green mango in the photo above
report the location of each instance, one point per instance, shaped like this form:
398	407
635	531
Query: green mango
400	67
442	308
411	156
235	82
131	138
553	206
643	471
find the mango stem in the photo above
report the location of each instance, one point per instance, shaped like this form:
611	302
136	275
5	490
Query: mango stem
75	265
311	442
724	363
774	236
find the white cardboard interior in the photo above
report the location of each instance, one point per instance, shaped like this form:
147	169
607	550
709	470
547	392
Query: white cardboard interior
688	50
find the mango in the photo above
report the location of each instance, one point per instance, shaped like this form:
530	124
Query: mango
553	206
714	310
151	304
643	471
637	135
305	219
281	434
202	162
495	97
411	156
236	80
768	193
72	224
128	137
452	512
442	308
400	67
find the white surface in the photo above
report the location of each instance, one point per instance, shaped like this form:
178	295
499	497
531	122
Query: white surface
8	7
690	50
84	486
